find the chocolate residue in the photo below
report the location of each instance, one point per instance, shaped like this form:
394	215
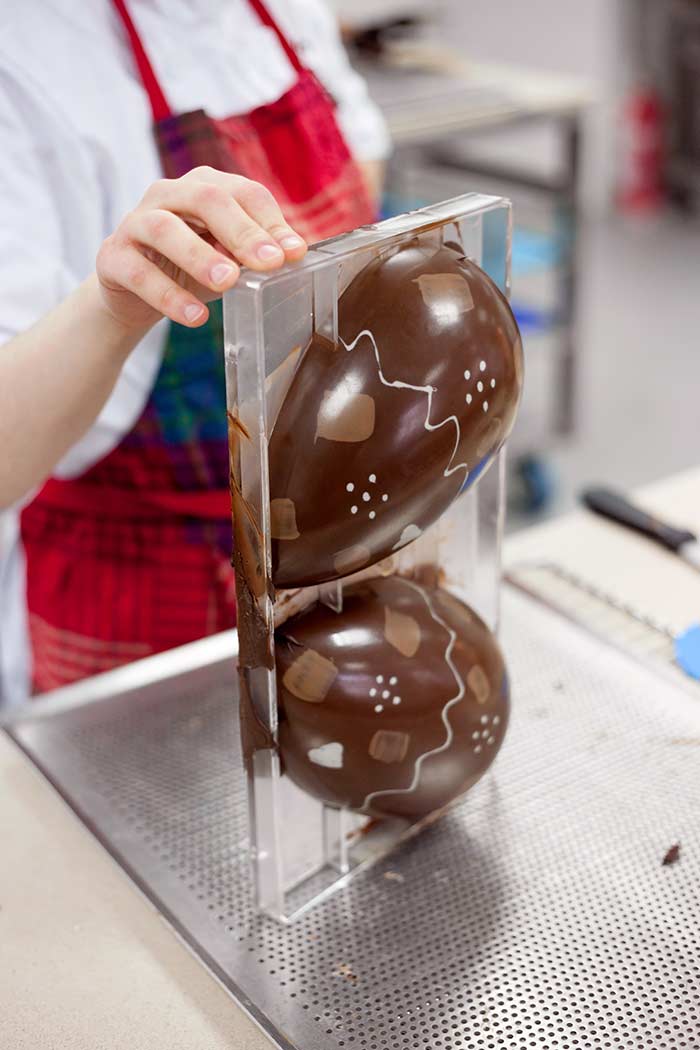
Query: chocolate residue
254	633
672	855
343	970
238	425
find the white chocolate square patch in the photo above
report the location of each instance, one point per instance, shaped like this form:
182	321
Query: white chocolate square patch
310	677
283	519
479	684
348	418
401	631
446	292
389	745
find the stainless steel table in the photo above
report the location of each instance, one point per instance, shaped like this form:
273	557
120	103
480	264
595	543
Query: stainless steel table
537	913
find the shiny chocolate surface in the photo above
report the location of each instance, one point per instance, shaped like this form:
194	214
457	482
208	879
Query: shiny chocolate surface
380	432
394	706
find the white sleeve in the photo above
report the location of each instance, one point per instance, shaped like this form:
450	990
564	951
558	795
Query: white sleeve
51	224
314	29
34	275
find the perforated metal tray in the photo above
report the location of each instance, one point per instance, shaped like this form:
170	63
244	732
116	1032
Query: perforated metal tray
537	913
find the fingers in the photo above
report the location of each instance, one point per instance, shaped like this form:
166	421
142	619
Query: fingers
169	235
208	203
262	207
125	269
241	215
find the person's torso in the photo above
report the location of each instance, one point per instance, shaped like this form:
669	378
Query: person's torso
78	79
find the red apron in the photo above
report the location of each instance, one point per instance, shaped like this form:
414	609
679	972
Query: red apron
133	557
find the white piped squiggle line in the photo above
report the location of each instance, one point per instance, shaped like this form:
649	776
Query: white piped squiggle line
398	384
450	703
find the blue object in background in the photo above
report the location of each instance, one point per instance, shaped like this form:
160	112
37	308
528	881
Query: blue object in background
535	484
534	250
532	320
687	646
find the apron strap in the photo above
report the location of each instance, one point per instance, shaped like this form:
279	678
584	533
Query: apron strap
158	101
267	20
160	107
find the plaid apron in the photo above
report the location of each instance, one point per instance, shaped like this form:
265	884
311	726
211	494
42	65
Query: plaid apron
133	557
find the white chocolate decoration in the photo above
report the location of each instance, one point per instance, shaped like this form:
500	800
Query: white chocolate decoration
389	746
401	631
328	755
446	294
310	677
479	684
409	533
345	418
283	520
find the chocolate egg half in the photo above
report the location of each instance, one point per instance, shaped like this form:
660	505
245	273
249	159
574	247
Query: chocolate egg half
394	706
379	432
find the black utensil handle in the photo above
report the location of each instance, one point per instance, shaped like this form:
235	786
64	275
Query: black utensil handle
612	505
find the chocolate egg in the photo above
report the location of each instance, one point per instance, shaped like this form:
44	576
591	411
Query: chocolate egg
394	706
380	431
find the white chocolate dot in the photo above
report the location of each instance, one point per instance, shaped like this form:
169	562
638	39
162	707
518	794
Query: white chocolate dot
482	366
379	678
385	694
373	691
349	487
468	399
353	510
493	384
477	749
485	733
393	680
384	497
496	719
372	515
475	734
480	386
372	478
485	406
491	740
378	708
467	374
396	700
484	718
366	497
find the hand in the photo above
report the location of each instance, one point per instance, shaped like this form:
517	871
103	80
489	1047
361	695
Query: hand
182	245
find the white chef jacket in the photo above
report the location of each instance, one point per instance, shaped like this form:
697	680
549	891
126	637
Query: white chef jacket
77	152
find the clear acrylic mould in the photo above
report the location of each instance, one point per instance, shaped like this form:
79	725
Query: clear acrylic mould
301	849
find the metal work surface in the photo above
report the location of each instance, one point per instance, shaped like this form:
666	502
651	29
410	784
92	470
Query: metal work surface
537	913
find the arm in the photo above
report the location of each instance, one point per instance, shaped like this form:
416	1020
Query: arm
180	248
54	379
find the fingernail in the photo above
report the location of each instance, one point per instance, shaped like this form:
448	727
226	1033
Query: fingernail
193	312
291	242
221	273
269	251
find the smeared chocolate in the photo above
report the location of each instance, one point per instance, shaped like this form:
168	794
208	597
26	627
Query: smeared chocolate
394	706
254	649
379	432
